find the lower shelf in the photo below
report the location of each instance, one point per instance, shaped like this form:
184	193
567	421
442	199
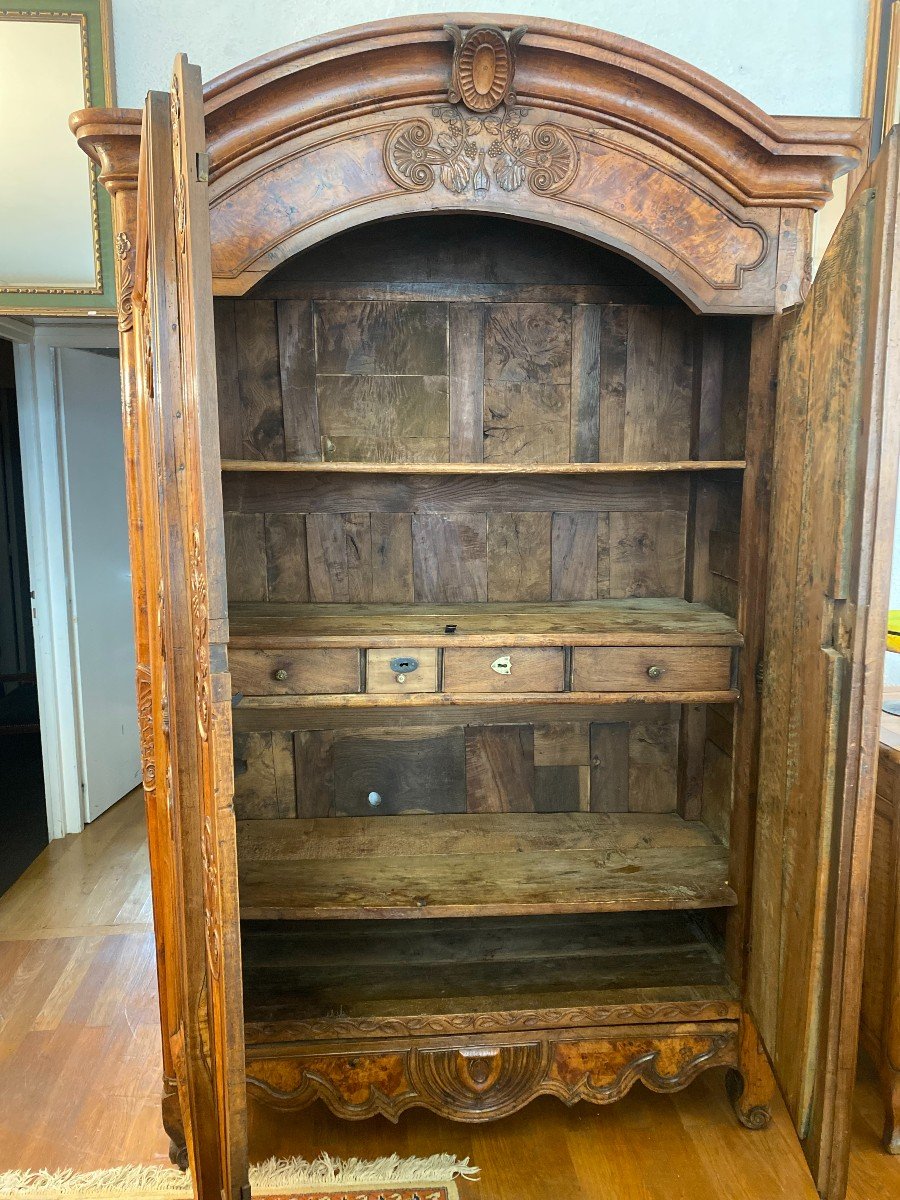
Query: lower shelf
330	980
497	864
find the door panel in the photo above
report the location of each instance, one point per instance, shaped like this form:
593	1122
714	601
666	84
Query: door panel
190	685
832	517
103	629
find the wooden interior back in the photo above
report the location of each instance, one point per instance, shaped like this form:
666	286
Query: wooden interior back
451	339
477	340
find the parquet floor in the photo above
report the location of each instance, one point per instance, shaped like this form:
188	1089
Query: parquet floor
79	1071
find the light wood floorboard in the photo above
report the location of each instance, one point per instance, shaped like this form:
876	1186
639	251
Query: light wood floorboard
79	1070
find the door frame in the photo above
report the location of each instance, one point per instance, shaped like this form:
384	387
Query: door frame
35	346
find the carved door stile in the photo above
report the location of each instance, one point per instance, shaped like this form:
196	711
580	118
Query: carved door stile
204	533
190	695
152	678
835	484
130	261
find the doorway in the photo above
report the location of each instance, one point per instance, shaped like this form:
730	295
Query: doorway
23	811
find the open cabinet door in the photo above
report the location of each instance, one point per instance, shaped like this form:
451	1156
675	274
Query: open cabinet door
835	479
190	688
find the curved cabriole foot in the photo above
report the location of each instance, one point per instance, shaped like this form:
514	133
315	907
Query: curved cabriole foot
174	1126
891	1089
751	1116
751	1085
178	1156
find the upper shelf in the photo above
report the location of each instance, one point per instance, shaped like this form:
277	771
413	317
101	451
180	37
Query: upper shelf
233	465
632	622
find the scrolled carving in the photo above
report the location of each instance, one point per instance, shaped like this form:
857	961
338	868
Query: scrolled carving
490	1082
468	152
484	65
145	727
211	899
481	1083
125	265
590	1016
200	627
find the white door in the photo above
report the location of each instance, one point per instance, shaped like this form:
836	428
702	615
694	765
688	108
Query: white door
99	576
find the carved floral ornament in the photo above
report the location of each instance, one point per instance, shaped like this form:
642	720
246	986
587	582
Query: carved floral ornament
479	139
472	153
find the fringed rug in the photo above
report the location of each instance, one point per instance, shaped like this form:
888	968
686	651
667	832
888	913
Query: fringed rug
326	1178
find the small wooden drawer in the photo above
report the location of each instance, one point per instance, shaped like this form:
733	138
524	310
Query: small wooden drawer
504	669
651	669
294	672
393	671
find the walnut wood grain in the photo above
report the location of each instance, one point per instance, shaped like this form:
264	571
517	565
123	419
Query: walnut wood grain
749	163
487	1078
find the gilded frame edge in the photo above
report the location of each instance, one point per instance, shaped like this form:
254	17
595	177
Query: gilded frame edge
98	67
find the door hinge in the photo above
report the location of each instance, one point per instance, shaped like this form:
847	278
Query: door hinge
759	674
202	167
841	618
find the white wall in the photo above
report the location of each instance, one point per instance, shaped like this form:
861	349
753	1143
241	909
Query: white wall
787	56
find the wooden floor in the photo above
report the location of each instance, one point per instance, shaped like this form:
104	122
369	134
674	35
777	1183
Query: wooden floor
79	1071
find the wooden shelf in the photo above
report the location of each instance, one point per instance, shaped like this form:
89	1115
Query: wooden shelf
234	465
636	622
498	865
321	980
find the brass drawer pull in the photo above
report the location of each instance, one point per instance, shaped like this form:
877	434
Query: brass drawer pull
281	674
656	672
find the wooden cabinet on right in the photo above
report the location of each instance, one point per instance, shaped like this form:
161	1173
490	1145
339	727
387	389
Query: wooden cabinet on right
880	1023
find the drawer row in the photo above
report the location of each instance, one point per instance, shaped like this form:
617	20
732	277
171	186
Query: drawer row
481	670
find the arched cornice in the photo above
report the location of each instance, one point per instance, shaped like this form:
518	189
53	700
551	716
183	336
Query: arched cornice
563	67
655	158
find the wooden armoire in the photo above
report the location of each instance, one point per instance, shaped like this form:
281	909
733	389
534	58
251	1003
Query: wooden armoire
509	533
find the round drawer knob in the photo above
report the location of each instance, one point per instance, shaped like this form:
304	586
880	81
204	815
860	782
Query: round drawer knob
374	799
655	672
281	674
401	678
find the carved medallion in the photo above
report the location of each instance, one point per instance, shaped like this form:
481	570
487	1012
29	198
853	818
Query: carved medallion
484	63
470	154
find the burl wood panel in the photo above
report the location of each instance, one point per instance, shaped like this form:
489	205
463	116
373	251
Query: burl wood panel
486	1078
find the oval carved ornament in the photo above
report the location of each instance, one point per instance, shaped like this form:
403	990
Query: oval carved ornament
484	63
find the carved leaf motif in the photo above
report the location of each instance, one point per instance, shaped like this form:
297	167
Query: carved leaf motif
200	619
211	899
509	173
125	256
145	727
456	175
